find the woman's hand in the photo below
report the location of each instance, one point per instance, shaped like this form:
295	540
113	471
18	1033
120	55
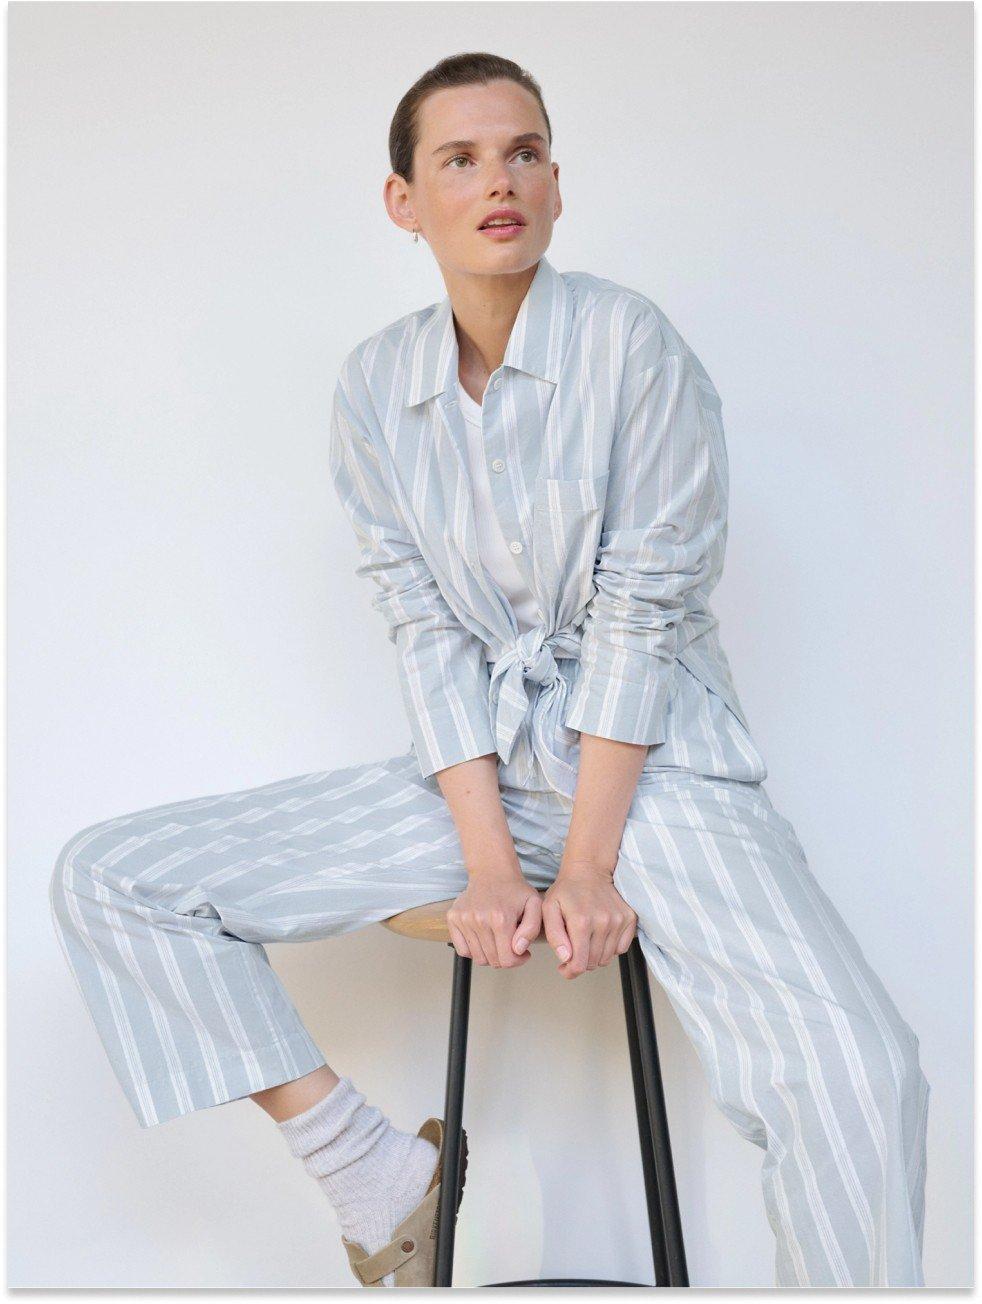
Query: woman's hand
494	920
586	919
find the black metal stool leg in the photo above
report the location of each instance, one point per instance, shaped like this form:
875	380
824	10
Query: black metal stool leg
664	1219
656	1226
453	1111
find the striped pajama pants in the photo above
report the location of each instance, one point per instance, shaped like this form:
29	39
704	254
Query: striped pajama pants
162	915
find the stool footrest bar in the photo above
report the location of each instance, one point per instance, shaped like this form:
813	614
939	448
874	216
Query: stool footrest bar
568	1281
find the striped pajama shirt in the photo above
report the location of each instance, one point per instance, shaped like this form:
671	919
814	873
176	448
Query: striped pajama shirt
614	488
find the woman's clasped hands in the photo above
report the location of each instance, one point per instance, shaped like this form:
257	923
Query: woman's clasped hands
587	922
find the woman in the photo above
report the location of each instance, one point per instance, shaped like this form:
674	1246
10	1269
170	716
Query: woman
536	473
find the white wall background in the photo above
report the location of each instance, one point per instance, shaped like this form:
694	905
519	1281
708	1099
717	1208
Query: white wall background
196	239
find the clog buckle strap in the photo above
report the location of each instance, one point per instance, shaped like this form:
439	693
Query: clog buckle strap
373	1267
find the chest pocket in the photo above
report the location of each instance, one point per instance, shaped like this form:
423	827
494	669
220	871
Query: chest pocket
566	517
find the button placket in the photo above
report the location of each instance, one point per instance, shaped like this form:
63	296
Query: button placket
501	474
494	445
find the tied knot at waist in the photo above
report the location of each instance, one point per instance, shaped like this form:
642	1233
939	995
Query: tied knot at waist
527	696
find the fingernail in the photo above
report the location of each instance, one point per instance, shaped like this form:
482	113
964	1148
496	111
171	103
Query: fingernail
563	953
521	944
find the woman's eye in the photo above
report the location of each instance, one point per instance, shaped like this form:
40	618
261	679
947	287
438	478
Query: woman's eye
531	152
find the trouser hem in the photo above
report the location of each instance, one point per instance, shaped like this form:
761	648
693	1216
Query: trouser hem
280	1061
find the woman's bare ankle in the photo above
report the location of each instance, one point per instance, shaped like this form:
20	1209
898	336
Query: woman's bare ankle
292	1098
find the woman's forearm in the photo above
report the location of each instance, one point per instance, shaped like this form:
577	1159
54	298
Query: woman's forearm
606	782
474	797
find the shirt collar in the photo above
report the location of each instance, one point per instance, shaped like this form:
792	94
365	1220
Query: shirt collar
535	344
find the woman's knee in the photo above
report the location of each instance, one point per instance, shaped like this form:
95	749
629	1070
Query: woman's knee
74	868
889	1052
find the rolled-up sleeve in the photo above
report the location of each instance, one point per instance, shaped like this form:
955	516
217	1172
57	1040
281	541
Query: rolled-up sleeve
443	673
664	524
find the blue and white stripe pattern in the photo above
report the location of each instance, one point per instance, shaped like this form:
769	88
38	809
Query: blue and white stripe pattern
163	913
612	493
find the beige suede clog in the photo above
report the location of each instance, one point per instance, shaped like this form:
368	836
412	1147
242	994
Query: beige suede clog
411	1253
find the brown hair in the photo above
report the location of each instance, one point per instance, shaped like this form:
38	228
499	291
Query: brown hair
456	70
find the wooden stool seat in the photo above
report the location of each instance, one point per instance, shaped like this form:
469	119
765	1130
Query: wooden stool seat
428	923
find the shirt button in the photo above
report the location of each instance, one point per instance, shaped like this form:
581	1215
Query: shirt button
515	547
497	464
496	384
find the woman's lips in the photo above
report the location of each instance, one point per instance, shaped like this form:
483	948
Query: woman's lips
501	232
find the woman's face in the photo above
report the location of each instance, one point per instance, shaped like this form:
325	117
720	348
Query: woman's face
480	148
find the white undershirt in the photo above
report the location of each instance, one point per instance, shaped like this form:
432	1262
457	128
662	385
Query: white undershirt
492	544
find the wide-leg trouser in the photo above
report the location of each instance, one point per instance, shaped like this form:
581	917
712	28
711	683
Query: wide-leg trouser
162	915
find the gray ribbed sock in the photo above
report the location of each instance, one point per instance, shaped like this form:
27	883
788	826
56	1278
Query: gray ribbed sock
372	1173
